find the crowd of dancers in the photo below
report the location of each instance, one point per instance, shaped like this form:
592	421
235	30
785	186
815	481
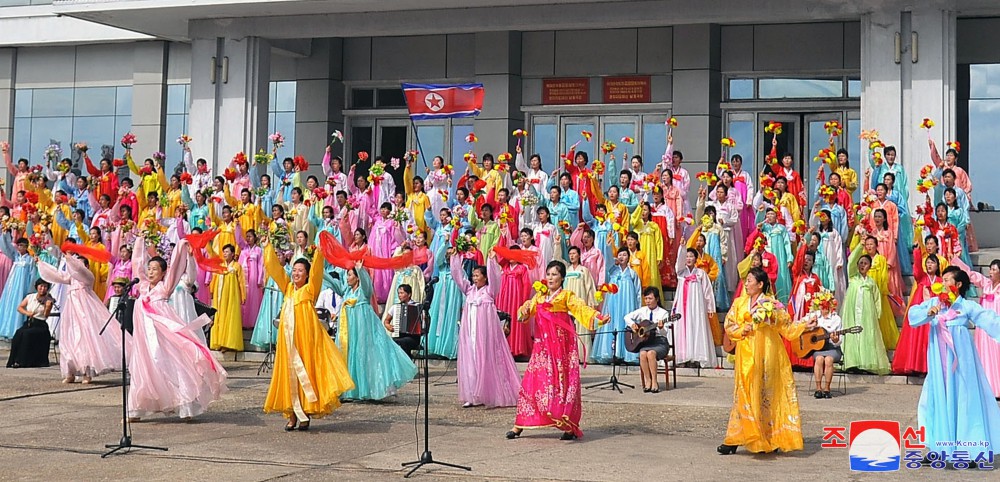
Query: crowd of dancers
576	256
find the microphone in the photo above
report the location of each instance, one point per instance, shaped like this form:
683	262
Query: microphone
130	284
433	280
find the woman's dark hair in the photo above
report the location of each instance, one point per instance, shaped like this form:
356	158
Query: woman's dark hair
220	179
937	264
363	234
889	175
693	251
584	155
281	209
635	236
995	262
885	216
761	276
160	261
736	157
559	266
482	272
386	206
961	278
621	250
41	282
306	263
297	190
543	208
865	256
529	232
826	226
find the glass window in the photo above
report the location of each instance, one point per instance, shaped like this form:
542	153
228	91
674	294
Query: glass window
742	132
854	88
123	105
573	133
818	140
284	122
614	132
46	131
431	144
740	89
800	88
284	97
123	125
52	103
94	101
22	102
459	147
95	131
654	144
543	141
984	116
177	99
281	114
21	147
984	81
363	98
391	98
858	162
176	126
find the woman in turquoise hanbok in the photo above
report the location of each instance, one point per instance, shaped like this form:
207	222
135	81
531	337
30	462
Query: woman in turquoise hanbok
778	244
264	332
960	218
442	237
377	364
956	401
446	305
19	284
716	243
616	306
605	236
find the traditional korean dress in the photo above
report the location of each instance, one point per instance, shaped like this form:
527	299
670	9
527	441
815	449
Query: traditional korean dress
385	237
693	334
988	348
83	350
252	261
765	413
19	284
956	402
172	372
617	305
515	288
486	371
910	357
446	308
779	244
550	389
377	365
228	292
264	331
651	246
863	307
310	373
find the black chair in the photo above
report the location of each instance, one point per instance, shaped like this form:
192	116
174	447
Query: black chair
670	362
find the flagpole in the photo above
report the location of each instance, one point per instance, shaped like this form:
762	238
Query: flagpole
420	149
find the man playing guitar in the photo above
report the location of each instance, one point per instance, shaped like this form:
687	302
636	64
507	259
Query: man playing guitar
657	346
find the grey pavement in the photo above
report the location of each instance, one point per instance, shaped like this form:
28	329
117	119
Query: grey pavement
53	431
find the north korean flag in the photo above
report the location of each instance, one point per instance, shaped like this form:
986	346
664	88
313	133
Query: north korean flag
437	101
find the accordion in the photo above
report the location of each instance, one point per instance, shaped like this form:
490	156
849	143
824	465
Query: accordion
406	320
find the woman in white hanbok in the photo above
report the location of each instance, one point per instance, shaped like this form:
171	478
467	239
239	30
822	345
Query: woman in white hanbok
695	302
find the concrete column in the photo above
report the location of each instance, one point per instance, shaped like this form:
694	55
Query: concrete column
149	98
319	100
8	63
697	92
229	115
498	68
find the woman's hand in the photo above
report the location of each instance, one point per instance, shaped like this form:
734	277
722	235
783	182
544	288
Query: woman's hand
934	310
747	328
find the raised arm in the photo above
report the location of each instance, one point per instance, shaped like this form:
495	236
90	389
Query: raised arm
140	257
493	275
459	274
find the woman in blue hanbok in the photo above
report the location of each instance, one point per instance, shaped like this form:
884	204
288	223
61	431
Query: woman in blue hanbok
265	334
829	261
779	244
442	238
19	284
904	239
377	364
956	402
960	218
616	306
446	305
605	236
557	213
716	246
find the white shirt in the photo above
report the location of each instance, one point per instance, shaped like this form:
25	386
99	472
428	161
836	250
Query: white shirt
656	315
830	323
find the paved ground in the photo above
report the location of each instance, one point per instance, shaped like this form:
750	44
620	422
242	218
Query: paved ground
56	432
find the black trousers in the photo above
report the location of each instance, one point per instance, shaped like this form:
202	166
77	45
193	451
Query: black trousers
409	343
30	346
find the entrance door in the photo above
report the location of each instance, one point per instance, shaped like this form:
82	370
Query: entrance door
789	141
614	129
392	139
817	139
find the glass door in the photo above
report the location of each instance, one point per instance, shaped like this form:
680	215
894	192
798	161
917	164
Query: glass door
392	139
817	139
789	141
573	129
614	129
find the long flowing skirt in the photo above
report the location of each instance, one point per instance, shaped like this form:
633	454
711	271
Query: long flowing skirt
30	346
989	356
264	331
486	371
83	351
377	364
446	310
171	371
550	389
182	302
17	287
251	307
616	306
324	366
514	291
911	349
227	331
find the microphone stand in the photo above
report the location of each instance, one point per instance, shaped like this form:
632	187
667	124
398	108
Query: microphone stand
613	382
425	457
121	314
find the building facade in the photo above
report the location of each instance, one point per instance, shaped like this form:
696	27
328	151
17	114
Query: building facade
230	72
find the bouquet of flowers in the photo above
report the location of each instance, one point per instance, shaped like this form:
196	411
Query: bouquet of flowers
128	140
926	171
707	221
827	192
799	227
186	178
604	289
728	142
833	128
471	138
53	153
470	157
394	162
159	157
81	146
823	300
118	162
277	236
926	184
229	174
240	158
362	156
828	156
336	136
37	243
375	174
184	140
707	177
519	133
151	231
628	140
540	287
877	158
927	124
528	200
465	243
444	194
565	227
260	191
607	147
599	167
957	146
946	295
764	310
301	164
277	140
723	166
587	135
773	128
401	216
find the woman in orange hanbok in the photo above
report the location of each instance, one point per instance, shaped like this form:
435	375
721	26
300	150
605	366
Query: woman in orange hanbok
765	413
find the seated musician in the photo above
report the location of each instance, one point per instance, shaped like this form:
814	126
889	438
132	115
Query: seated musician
655	348
824	308
397	318
118	285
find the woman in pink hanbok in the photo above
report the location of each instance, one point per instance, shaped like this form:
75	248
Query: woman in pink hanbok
550	389
988	348
515	288
252	260
386	236
172	372
486	372
121	262
83	350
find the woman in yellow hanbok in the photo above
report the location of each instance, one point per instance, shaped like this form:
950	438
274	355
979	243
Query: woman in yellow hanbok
229	290
650	243
879	272
310	373
765	413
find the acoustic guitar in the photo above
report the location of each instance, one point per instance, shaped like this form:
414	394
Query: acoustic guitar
814	339
645	331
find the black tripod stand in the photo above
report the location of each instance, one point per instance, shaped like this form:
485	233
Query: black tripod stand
425	457
123	313
613	382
